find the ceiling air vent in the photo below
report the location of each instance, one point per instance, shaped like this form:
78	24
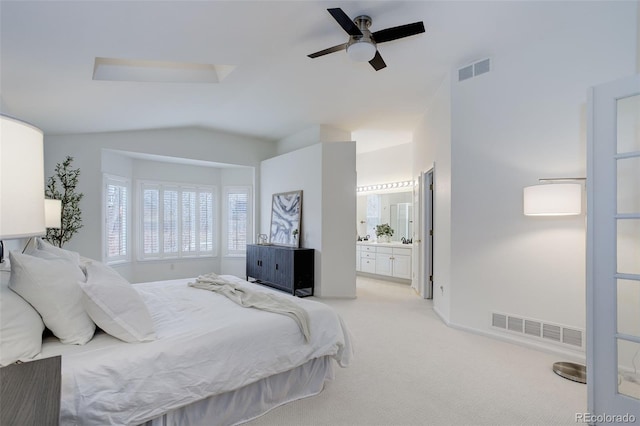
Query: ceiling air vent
474	70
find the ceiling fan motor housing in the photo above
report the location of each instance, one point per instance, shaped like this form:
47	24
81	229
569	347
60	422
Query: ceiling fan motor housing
362	48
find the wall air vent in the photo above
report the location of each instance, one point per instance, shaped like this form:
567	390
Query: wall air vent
515	324
465	73
552	332
538	329
499	320
532	328
475	69
572	337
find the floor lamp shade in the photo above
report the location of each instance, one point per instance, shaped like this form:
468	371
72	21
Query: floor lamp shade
21	179
553	199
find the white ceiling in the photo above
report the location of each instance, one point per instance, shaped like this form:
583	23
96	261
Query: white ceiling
48	51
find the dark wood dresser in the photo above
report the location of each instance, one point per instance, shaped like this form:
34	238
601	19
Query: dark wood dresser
288	269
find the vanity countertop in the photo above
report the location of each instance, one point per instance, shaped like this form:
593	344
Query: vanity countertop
391	244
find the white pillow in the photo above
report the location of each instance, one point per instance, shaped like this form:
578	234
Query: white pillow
57	251
115	306
20	327
51	287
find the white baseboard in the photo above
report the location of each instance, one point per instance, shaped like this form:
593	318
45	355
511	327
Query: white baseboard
575	356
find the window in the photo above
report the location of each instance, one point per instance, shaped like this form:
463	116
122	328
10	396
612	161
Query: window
237	219
373	213
116	214
176	221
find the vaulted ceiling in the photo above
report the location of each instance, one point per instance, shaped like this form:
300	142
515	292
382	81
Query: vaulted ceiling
48	51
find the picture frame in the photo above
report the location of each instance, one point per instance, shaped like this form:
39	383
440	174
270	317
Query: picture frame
286	216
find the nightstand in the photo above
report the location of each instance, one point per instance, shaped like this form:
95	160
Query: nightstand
30	393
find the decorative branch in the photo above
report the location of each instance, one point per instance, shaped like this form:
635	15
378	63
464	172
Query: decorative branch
67	178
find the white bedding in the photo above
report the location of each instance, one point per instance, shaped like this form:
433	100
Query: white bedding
206	345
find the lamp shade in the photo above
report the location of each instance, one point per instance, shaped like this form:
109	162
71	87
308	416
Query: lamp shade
53	213
554	199
21	179
361	51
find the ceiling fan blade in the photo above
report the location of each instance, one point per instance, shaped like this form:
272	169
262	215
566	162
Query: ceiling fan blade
329	50
345	22
398	32
377	62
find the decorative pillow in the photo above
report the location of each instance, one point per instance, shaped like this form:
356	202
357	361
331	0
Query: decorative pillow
57	251
51	287
20	327
115	306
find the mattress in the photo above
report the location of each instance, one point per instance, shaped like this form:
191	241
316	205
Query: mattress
207	345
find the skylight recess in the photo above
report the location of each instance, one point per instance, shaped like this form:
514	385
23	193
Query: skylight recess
113	69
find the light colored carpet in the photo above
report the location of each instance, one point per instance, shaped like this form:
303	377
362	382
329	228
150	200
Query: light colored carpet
411	369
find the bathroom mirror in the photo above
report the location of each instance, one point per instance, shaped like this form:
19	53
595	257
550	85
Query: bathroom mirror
394	208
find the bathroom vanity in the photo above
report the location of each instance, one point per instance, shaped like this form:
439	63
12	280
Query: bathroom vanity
384	259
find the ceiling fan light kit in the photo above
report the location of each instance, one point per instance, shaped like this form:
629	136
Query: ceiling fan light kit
361	51
362	44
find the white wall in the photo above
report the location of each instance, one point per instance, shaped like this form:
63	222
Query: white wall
310	136
325	173
393	164
523	121
432	149
188	143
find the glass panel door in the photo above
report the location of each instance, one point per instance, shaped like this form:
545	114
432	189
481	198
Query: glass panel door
613	249
628	245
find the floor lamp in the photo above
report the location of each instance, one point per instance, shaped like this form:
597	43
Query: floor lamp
557	197
21	180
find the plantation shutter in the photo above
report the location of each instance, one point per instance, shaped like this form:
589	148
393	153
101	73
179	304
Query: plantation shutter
237	220
116	219
151	221
206	221
170	223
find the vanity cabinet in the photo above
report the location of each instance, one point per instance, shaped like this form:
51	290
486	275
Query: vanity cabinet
288	269
368	259
384	260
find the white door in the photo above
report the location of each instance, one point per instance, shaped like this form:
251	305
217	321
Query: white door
427	237
613	252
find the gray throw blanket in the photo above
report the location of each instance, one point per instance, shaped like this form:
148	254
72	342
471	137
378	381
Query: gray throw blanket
255	299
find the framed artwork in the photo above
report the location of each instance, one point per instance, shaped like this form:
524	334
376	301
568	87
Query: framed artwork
286	213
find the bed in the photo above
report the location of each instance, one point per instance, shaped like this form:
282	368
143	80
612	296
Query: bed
210	361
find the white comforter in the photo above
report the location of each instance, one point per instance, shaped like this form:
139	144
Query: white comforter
206	345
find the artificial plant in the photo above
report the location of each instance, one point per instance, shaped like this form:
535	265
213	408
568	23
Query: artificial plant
62	186
384	229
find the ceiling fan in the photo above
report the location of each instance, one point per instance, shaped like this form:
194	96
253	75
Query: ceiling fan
361	46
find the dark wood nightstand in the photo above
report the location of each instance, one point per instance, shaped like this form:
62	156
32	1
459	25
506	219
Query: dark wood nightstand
30	393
